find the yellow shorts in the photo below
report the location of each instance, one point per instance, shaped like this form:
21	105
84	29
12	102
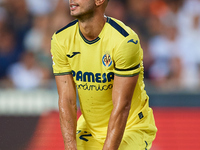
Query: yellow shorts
134	140
85	141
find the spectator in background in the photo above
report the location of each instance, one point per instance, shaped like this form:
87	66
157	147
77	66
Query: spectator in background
18	19
34	36
41	7
190	46
9	53
164	50
2	16
37	39
138	14
14	22
27	74
116	9
185	15
25	27
175	50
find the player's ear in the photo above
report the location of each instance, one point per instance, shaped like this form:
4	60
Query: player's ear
99	2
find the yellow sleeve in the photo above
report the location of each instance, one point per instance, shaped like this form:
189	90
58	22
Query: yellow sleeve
60	64
128	57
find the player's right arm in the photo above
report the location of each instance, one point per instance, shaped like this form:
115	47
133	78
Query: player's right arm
66	91
67	109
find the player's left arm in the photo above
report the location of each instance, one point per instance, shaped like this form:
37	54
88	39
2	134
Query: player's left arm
127	67
122	94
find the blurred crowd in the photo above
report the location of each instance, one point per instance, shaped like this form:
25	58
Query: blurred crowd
169	31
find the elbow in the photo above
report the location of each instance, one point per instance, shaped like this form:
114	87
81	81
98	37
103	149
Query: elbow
126	105
123	109
126	109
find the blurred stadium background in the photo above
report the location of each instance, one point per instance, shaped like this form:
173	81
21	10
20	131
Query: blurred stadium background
170	36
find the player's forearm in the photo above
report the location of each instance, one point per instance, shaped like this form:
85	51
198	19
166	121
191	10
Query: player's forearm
116	127
68	123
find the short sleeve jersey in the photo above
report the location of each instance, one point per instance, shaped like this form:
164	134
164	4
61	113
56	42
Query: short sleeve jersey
93	64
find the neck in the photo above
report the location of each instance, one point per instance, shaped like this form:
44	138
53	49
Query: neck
91	28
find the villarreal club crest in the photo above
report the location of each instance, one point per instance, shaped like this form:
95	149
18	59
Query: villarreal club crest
107	61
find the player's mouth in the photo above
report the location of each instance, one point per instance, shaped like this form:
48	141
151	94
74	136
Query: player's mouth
73	6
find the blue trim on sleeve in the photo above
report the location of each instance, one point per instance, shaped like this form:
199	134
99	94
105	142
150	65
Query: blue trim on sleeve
117	27
136	67
63	73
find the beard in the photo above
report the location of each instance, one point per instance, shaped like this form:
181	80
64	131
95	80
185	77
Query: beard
83	13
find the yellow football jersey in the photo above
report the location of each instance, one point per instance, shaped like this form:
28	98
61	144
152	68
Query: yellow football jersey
93	64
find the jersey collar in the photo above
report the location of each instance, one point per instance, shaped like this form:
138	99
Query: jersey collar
87	41
93	41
